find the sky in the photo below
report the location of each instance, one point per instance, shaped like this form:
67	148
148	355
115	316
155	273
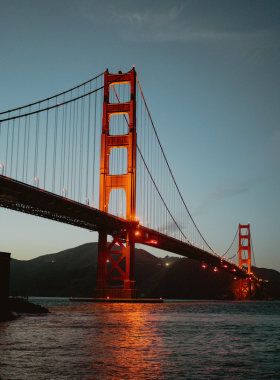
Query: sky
209	71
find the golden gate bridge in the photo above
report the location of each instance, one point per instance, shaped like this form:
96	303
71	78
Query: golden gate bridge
53	165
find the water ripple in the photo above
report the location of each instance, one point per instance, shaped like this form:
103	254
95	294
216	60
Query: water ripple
190	340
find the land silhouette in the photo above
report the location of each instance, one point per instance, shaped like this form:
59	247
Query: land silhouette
73	272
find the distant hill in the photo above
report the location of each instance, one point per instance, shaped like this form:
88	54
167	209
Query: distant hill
266	274
73	272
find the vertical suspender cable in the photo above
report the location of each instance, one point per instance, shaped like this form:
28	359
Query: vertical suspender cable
46	147
7	144
72	152
94	143
54	148
36	144
61	183
12	151
64	148
88	137
28	139
24	150
18	144
75	148
69	147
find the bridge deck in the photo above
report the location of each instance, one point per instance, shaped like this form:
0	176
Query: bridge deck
19	196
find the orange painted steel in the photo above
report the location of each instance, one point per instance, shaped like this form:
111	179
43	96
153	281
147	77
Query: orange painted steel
245	284
120	270
247	247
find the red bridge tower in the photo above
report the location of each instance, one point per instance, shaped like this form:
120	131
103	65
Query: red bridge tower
117	266
245	249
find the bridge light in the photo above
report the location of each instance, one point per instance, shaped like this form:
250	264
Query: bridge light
108	298
36	179
137	233
87	201
203	266
235	278
64	192
215	269
2	166
166	264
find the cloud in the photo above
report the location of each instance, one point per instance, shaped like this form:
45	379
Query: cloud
226	189
167	23
170	26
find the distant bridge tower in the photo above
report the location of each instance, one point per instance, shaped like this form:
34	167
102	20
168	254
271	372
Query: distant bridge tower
245	250
117	266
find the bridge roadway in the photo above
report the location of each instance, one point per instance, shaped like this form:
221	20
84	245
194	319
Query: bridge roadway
21	197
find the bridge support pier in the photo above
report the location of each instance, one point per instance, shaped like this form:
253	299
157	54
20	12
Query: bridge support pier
245	289
115	278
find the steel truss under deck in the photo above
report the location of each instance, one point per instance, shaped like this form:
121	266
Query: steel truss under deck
28	199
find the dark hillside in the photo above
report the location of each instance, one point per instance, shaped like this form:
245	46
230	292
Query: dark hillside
266	274
73	272
59	274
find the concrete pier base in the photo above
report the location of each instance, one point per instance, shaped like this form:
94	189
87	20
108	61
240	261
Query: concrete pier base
116	300
115	293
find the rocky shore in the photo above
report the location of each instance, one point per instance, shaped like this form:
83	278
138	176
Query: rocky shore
15	307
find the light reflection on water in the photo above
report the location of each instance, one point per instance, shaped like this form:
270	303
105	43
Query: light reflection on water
190	340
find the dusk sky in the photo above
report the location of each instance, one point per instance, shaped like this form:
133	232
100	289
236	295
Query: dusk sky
209	71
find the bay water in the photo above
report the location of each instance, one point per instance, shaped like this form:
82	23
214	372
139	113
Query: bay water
173	340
